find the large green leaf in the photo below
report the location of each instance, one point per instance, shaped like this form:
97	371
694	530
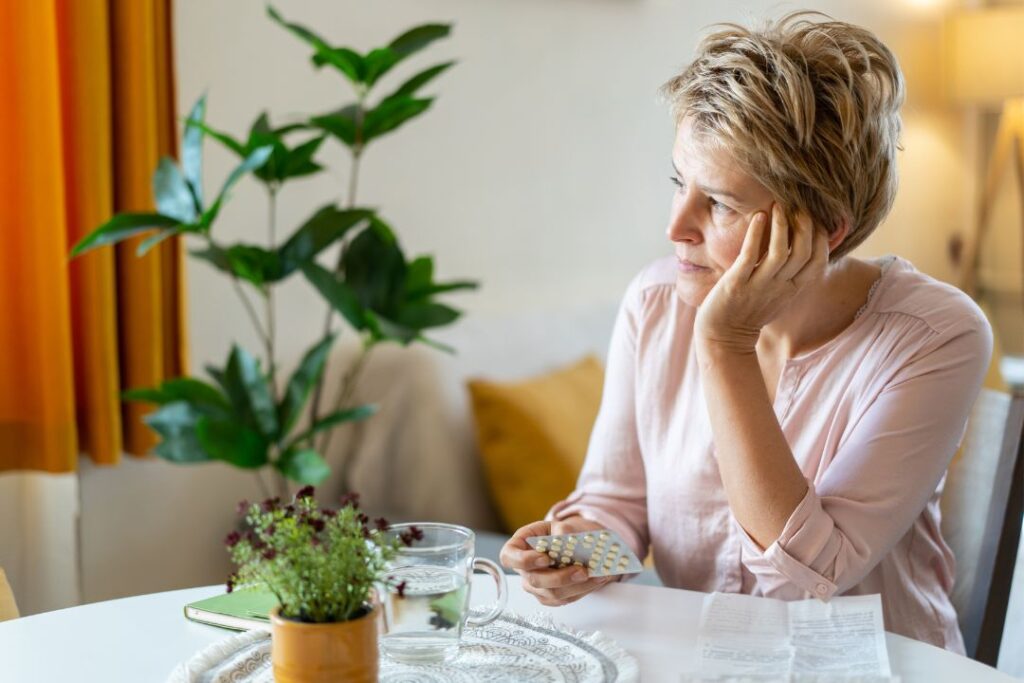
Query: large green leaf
299	161
383	329
341	124
249	262
381	60
418	37
255	159
343	59
248	391
232	442
173	197
150	242
243	370
201	396
192	152
409	87
321	230
336	418
374	268
337	293
121	227
175	423
392	113
303	466
223	138
301	384
423	315
434	288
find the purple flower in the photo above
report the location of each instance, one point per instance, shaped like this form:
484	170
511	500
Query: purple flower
317	524
271	530
270	504
231	583
269	554
243	507
232	539
305	492
413	533
381	523
330	514
401	589
350	499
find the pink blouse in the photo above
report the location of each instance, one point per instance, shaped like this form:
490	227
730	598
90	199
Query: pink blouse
873	418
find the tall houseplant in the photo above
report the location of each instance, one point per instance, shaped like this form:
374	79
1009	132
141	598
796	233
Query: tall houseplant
246	416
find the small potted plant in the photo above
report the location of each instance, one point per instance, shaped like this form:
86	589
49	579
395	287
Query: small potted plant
323	566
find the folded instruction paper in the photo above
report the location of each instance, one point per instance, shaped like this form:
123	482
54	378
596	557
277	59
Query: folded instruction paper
750	638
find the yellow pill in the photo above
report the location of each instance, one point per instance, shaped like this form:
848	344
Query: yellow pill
604	535
592	564
553	555
588	539
615	546
577	563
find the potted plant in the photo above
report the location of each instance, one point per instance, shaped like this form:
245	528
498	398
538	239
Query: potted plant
247	414
323	566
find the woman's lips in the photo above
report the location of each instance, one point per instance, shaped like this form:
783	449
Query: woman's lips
689	267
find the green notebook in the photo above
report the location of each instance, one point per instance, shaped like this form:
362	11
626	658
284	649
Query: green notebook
241	610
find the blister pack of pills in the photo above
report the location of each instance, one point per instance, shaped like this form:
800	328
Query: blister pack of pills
602	552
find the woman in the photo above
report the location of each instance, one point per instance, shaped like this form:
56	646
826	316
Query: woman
778	416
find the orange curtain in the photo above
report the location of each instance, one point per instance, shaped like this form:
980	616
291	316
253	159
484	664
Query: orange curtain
87	87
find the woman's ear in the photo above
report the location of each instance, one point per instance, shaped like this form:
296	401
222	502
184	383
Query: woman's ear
839	236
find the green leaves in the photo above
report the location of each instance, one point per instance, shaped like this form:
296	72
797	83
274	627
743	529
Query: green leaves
121	227
284	162
178	192
261	266
304	466
301	383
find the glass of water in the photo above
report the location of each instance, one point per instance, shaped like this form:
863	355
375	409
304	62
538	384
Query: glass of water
427	602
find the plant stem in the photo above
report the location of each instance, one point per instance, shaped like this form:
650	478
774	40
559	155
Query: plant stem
249	308
357	151
268	294
348	387
264	491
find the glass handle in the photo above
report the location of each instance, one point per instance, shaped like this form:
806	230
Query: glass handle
498	575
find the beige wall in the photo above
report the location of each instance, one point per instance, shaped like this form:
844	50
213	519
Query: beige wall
541	171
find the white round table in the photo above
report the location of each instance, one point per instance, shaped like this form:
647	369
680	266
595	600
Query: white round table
141	639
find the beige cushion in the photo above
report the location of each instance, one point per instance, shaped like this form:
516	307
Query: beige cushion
8	608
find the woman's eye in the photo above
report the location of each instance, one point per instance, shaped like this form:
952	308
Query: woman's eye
676	181
717	205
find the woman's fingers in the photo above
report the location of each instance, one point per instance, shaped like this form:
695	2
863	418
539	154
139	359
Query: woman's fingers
819	259
801	249
750	252
562	594
517	553
778	244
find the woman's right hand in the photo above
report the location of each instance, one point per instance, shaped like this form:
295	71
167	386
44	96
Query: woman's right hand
552	586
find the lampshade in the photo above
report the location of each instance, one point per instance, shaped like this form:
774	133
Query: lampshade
986	54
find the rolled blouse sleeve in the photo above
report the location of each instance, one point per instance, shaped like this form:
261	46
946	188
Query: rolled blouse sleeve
612	486
882	476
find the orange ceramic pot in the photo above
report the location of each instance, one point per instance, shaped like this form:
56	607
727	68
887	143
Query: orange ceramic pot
325	653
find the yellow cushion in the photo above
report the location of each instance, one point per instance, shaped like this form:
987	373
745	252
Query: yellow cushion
8	608
533	437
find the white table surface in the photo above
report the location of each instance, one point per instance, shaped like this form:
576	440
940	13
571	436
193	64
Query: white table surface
140	639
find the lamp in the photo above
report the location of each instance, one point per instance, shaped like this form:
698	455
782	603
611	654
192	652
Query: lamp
986	67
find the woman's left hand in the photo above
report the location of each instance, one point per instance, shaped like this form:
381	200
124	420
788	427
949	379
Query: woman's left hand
750	294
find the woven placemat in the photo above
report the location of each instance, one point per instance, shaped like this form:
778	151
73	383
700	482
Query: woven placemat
511	648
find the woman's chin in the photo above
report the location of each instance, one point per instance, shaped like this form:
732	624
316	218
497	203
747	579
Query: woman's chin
691	293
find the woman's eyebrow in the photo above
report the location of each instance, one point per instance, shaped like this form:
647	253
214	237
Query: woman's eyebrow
709	190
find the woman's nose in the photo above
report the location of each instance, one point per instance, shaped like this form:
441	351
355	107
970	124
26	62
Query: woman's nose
684	224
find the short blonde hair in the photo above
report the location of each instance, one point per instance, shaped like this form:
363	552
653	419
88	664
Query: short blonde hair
811	109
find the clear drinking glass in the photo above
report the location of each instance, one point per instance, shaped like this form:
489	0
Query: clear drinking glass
424	621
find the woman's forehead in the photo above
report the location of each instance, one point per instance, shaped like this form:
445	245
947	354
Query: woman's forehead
701	161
